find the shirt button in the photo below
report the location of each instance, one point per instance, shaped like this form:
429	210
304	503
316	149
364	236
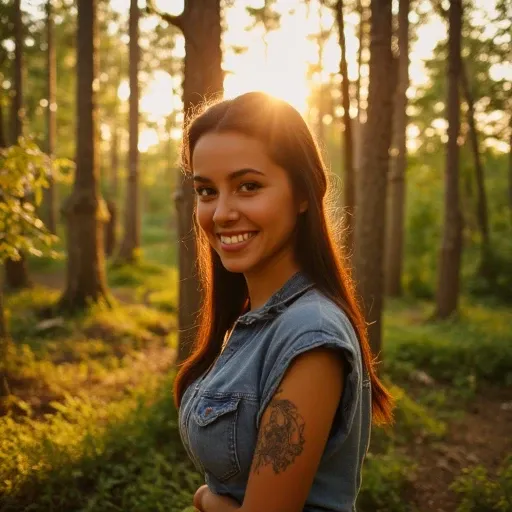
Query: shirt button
207	411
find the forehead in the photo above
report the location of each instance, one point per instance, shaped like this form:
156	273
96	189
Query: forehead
229	151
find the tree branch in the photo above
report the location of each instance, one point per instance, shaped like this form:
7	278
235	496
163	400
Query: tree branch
176	21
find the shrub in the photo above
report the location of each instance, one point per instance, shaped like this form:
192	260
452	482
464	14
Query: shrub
385	479
482	493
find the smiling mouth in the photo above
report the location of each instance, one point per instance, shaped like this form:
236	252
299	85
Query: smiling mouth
236	242
236	239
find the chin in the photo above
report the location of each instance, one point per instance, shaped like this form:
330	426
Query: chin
237	265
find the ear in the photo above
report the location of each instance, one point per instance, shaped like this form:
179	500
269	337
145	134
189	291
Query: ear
303	206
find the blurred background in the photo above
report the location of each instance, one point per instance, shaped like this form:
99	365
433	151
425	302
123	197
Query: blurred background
411	105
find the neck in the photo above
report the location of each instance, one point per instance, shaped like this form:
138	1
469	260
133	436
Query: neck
262	284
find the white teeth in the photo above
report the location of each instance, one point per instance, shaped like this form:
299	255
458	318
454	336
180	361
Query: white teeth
236	239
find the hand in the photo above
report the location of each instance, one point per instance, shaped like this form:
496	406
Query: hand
199	497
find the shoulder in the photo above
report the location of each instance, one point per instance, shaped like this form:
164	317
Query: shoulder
315	317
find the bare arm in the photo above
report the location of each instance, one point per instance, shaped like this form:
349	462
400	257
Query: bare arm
292	437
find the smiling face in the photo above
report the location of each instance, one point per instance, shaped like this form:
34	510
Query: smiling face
245	205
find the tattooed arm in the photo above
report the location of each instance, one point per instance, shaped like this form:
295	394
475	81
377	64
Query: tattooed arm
293	433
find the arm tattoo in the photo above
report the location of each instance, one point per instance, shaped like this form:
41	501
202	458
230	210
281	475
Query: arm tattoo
281	439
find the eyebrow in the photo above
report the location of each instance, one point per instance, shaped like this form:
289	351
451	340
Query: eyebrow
232	176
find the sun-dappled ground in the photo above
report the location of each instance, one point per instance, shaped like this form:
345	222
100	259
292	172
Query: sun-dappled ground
90	422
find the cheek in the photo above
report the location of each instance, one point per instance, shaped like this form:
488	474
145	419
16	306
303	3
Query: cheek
204	216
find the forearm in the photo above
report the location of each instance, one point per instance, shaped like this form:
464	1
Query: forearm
215	503
207	501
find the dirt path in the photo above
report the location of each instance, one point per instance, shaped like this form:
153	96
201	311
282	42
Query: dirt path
482	436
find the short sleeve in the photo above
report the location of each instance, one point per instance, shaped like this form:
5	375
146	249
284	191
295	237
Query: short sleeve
338	336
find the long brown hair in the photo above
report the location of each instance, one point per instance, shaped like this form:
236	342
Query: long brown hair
291	145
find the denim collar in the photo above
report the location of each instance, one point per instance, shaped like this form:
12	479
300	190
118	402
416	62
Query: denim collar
297	285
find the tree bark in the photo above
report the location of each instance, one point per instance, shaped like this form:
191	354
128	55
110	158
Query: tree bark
131	240
372	177
85	210
114	163
200	23
3	141
451	245
349	187
510	165
4	345
110	228
50	192
395	238
362	22
16	274
486	263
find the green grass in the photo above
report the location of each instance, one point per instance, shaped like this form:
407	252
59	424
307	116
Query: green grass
474	348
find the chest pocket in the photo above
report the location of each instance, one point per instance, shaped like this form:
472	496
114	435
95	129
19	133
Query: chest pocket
213	435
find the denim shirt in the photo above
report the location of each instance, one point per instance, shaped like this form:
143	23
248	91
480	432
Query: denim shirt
221	411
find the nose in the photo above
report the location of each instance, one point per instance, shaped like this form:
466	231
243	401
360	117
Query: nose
225	211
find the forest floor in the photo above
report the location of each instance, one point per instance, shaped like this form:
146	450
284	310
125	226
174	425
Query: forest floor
480	436
77	381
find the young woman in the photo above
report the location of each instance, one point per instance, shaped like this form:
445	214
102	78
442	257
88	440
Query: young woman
277	399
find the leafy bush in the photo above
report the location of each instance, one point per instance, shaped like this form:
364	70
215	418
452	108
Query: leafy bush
483	493
125	455
385	479
476	347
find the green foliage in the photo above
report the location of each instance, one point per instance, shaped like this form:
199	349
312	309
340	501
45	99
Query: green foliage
385	479
477	347
481	492
23	173
128	452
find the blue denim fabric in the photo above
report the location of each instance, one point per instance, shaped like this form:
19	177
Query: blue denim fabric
220	412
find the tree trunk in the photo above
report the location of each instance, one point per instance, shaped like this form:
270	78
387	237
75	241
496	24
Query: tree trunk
510	165
18	72
50	192
3	141
348	142
200	23
358	121
394	242
131	240
110	228
85	210
4	345
451	245
114	163
362	22
16	275
486	263
372	177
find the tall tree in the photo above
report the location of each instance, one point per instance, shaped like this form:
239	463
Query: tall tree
451	246
51	199
131	239
510	162
349	186
200	23
372	177
486	263
16	273
84	209
396	204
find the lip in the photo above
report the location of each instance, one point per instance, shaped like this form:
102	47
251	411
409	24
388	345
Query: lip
238	246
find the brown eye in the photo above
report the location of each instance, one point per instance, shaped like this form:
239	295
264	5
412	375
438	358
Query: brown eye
204	192
250	186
